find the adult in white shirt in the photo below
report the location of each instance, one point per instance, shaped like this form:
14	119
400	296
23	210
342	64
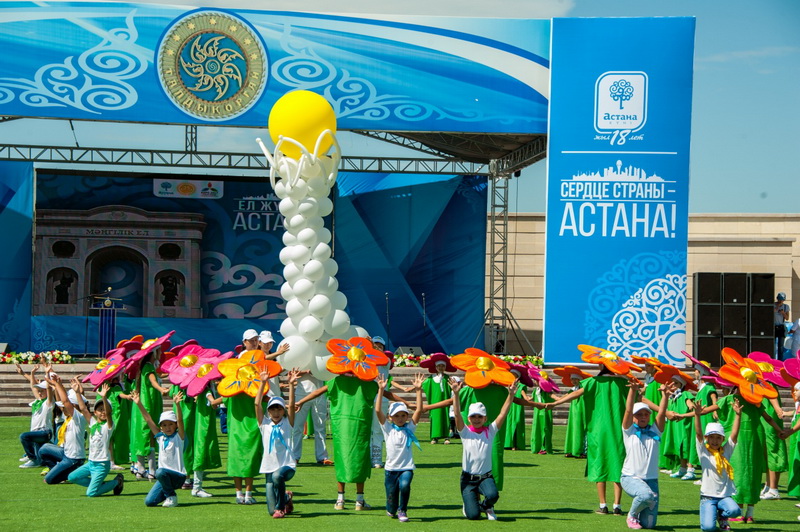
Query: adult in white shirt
69	454
318	410
642	440
716	487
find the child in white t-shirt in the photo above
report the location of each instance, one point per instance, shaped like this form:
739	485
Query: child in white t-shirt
278	462
170	440
92	474
69	454
399	434
41	418
642	440
717	488
477	441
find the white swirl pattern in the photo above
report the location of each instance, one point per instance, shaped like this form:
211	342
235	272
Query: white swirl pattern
251	281
93	83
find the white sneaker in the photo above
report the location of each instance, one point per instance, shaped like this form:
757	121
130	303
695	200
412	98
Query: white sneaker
24	458
490	515
201	493
764	490
29	464
771	495
678	473
689	475
170	502
698	482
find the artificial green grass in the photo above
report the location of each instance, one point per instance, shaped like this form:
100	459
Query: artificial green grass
541	493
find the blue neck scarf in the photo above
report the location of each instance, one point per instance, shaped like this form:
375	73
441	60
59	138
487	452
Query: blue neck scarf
647	432
410	436
167	439
276	434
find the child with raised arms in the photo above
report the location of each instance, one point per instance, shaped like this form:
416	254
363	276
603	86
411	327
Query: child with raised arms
278	462
477	441
92	474
69	454
716	487
170	440
41	418
399	434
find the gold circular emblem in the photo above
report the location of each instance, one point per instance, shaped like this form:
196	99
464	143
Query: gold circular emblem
186	189
212	65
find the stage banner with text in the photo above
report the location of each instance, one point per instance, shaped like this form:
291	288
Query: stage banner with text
618	187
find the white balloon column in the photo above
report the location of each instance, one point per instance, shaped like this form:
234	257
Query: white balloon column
300	122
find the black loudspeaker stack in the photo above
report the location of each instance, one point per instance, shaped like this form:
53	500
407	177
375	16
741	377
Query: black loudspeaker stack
733	310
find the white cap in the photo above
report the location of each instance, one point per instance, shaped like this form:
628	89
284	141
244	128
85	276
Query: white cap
265	337
42	385
276	401
715	428
396	408
168	415
249	334
477	409
638	407
73	397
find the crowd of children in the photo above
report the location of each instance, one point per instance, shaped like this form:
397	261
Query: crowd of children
660	424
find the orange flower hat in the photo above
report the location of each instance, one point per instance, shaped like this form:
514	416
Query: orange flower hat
612	361
667	373
482	368
568	373
747	375
356	356
243	374
653	361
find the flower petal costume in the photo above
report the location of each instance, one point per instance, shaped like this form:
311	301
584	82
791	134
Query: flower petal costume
747	375
356	356
482	369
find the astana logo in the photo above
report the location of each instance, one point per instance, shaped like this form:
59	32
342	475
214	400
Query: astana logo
212	65
621	91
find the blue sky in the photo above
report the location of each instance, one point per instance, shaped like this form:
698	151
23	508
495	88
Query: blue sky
746	114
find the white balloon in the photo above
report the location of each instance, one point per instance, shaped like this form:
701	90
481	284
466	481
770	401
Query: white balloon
325	206
308	237
300	254
337	323
292	273
296	310
289	239
319	306
316	223
326	286
319	369
300	354
313	270
361	332
331	268
321	252
286	294
339	300
311	328
288	328
309	207
280	189
319	191
316	181
285	255
324	234
297	222
288	207
303	288
299	190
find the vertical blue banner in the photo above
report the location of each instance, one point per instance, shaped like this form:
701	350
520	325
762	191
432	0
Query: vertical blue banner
618	187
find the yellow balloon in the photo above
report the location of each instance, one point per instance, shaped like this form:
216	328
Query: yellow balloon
301	115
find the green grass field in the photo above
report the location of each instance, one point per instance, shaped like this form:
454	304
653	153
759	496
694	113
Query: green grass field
541	493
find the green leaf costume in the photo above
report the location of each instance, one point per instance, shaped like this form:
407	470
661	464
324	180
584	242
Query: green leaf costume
206	447
121	417
244	437
604	405
187	407
153	404
435	392
793	487
515	423
493	397
542	426
678	438
575	440
352	406
777	460
748	459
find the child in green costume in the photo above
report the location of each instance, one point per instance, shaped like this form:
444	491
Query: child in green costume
678	438
437	389
575	440
515	424
542	424
121	417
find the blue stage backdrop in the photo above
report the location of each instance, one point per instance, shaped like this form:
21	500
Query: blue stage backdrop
201	257
164	63
618	181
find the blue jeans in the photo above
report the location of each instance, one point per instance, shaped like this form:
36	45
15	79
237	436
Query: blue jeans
60	466
398	490
713	508
472	487
644	506
92	475
276	488
167	481
31	441
223	420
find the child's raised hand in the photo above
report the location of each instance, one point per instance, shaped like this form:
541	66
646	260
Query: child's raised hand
75	385
294	374
737	407
178	398
512	388
419	378
135	397
698	408
19	368
455	385
381	380
264	376
103	391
